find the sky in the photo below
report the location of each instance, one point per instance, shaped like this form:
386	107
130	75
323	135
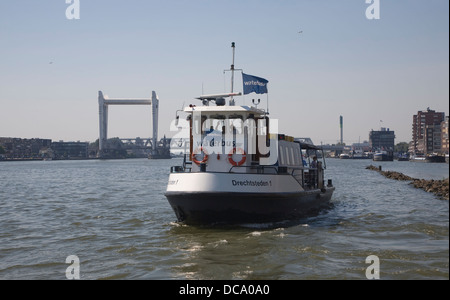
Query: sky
374	72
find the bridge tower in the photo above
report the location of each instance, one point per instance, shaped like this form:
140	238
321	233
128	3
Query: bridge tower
105	101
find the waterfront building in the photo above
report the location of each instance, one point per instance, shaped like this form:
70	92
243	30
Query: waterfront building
432	140
70	150
444	136
17	148
425	132
383	140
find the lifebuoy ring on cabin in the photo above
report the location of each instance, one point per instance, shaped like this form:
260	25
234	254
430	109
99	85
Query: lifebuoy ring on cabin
205	156
237	163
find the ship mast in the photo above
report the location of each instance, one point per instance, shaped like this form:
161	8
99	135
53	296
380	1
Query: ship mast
232	69
232	74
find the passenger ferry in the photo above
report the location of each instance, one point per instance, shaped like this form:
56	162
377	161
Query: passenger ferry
383	156
240	170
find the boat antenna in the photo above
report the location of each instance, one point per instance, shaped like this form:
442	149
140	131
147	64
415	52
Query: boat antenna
233	46
232	69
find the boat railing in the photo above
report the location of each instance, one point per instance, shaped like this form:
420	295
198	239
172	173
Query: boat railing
259	169
308	178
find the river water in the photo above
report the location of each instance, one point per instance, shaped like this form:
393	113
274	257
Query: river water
113	216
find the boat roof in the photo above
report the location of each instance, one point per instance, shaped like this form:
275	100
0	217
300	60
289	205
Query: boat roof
305	146
225	109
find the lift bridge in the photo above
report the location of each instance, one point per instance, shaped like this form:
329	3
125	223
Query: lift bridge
150	146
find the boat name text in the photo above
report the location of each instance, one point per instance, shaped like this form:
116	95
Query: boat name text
251	183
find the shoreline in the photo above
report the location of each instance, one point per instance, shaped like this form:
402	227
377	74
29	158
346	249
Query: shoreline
41	159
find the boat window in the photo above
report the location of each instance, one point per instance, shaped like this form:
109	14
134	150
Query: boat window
281	155
218	117
294	152
236	116
288	162
293	162
235	125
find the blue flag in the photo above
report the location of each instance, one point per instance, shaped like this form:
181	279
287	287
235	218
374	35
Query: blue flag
254	84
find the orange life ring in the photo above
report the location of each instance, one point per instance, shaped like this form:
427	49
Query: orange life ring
205	156
237	163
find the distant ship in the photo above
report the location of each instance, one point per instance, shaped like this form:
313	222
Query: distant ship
344	156
417	158
403	157
435	158
383	156
430	158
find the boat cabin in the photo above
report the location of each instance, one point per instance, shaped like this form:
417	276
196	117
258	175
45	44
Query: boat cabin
237	139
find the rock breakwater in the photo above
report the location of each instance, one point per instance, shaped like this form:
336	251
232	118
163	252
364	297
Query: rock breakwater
437	187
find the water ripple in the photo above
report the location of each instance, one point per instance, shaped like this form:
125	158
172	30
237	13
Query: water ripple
114	217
